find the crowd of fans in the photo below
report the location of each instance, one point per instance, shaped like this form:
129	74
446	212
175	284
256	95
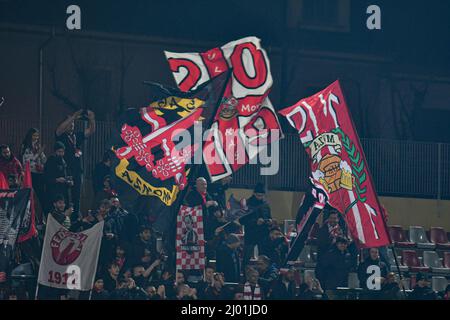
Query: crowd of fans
245	256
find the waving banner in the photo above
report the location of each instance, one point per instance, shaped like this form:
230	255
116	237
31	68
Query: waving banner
14	206
246	121
69	259
338	163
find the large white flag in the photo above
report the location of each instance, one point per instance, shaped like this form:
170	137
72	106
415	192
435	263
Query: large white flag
69	259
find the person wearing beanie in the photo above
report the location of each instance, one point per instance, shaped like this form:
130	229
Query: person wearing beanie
56	176
227	260
257	222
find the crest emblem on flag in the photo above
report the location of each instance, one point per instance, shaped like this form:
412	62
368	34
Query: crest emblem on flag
337	161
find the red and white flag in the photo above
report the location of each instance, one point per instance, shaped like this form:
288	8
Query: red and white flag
28	227
190	243
245	120
69	259
338	164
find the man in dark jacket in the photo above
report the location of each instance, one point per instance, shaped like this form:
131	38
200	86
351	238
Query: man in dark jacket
328	232
390	289
284	287
127	290
422	291
216	290
227	260
371	271
127	222
338	263
275	246
257	223
60	212
57	176
99	292
73	141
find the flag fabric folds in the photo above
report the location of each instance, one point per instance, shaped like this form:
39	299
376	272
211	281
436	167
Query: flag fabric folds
69	259
338	164
246	117
190	241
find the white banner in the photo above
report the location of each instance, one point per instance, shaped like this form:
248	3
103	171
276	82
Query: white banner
69	259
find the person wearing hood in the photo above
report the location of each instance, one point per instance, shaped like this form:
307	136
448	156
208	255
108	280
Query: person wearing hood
257	222
422	291
371	271
9	164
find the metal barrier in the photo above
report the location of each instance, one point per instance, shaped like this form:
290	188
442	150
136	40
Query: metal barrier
399	168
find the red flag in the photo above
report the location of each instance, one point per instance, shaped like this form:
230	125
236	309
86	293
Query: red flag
28	226
338	163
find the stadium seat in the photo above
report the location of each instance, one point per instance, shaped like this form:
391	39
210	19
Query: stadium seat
432	260
447	259
398	236
392	262
439	237
410	259
417	234
439	284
